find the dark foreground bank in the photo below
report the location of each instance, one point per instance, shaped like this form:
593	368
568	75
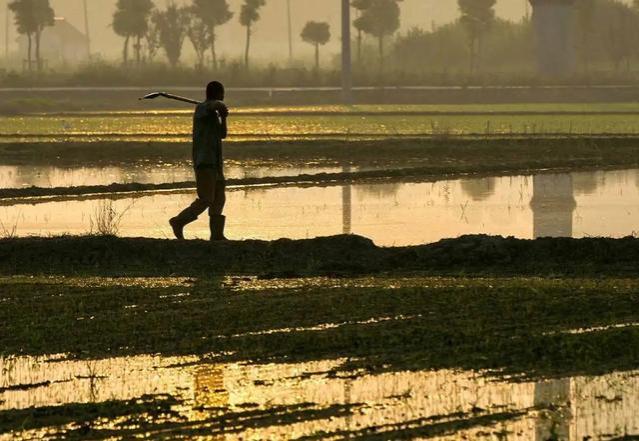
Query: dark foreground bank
215	350
329	256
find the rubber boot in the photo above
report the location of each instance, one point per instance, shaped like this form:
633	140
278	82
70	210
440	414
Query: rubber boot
182	220
217	222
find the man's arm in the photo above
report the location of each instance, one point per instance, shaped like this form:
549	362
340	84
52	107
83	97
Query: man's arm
222	112
224	128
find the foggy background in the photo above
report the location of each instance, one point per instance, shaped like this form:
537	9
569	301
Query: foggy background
270	35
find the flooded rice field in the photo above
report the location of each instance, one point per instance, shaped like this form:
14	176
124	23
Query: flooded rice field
46	176
393	213
309	126
252	340
243	358
189	398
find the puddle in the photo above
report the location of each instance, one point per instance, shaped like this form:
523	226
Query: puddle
151	396
571	205
48	176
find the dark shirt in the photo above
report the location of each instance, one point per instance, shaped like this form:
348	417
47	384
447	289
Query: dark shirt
209	129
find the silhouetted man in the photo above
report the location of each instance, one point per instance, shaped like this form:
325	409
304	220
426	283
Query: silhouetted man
209	129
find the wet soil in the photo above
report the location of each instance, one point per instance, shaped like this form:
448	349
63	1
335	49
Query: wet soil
440	151
276	338
523	327
333	256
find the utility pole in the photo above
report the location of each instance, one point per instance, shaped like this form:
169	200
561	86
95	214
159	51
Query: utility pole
86	29
347	73
527	9
6	32
290	32
347	204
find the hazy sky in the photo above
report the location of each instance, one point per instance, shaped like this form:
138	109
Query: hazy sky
270	34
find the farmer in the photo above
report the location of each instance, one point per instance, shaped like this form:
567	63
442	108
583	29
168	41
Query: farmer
209	129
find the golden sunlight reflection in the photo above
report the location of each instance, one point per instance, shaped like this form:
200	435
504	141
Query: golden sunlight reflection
307	399
263	124
547	205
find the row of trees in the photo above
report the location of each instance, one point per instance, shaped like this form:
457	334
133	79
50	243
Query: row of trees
148	29
602	30
139	20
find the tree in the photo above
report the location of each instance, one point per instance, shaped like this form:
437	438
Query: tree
23	21
131	20
316	33
476	17
152	38
360	5
199	35
172	27
212	13
379	18
249	14
31	17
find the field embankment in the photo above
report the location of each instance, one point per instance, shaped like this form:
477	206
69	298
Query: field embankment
332	256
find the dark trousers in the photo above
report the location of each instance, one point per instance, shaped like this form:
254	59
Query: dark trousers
211	195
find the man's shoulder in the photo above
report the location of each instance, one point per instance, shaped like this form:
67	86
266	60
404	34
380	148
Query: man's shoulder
205	109
202	107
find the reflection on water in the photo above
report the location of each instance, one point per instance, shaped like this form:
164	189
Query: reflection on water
391	214
190	397
48	176
160	126
553	205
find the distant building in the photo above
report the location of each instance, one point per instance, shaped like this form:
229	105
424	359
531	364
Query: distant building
553	23
61	43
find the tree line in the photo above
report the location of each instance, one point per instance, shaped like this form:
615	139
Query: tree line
602	35
602	30
142	22
146	29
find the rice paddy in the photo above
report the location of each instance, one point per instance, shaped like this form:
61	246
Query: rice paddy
110	330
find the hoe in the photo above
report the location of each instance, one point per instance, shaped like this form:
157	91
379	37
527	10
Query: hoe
154	95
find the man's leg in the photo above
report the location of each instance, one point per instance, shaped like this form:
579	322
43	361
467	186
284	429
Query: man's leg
217	220
204	182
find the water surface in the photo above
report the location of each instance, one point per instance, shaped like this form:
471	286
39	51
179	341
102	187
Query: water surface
50	176
558	205
189	396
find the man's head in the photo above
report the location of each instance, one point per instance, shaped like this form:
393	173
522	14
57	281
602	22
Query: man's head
215	91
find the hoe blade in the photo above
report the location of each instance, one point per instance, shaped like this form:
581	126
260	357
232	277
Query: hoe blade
151	96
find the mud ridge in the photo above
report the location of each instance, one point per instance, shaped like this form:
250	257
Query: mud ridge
442	150
328	256
8	196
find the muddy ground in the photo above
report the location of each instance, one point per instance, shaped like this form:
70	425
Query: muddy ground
505	310
506	307
440	152
335	256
